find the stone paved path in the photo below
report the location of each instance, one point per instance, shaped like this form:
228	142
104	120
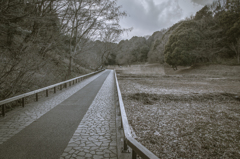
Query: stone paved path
22	117
95	136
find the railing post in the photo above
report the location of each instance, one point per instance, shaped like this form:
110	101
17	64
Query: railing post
3	110
119	113
54	89
125	146
134	155
36	97
46	92
65	84
121	124
23	103
70	83
73	82
60	86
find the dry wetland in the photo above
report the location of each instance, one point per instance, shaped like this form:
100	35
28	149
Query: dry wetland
193	112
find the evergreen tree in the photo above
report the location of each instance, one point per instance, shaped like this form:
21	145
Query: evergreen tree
182	42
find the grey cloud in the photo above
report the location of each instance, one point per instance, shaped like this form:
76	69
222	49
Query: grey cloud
146	16
202	2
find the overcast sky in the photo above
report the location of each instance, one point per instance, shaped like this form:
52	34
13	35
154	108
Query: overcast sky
148	16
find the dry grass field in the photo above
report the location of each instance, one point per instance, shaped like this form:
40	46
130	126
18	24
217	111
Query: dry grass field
190	113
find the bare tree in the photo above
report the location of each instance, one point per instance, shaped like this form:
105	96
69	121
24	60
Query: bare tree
85	19
109	36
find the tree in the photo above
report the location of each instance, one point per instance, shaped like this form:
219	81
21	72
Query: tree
28	35
143	52
203	13
230	22
178	50
108	37
227	14
86	19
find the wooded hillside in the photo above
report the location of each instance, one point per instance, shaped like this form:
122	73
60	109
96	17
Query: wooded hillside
41	40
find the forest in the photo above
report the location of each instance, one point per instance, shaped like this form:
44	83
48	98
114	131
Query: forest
43	42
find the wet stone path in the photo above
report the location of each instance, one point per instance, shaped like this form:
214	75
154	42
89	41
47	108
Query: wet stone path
95	136
20	118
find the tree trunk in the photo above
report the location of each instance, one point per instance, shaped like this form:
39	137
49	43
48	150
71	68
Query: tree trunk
69	72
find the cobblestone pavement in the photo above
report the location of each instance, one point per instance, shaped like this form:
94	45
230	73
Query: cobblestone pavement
20	118
95	136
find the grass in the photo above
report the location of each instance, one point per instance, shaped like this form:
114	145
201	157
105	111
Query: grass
189	113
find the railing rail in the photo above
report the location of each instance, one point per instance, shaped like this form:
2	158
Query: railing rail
137	148
60	84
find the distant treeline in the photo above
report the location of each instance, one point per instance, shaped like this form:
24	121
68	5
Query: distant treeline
211	35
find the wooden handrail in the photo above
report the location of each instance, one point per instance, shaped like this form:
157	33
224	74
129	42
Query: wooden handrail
22	96
137	147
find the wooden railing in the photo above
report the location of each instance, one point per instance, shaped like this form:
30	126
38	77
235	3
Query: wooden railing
61	85
137	148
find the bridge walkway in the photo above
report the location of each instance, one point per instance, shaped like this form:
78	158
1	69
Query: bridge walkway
79	122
